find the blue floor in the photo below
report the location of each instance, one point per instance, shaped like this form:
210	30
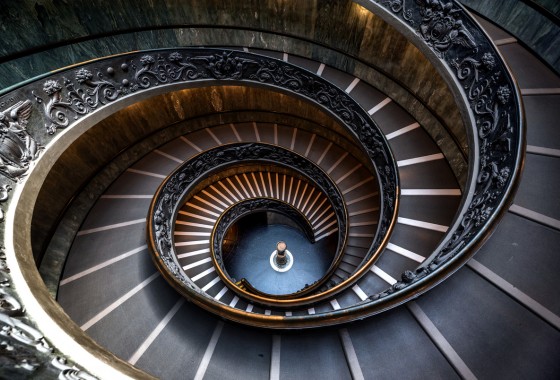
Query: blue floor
251	259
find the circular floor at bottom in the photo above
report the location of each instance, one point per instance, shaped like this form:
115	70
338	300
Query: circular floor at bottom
251	259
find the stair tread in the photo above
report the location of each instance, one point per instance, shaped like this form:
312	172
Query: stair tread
468	305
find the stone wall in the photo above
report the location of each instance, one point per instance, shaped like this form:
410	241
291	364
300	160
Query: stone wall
537	31
49	35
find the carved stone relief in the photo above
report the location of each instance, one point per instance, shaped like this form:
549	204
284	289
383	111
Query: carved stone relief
17	147
24	351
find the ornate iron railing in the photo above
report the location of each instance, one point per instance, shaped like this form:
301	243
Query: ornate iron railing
32	115
490	98
175	189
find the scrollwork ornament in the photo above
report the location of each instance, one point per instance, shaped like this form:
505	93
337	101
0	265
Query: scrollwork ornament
9	305
285	76
398	6
55	108
97	91
23	349
225	65
4	270
4	190
81	98
17	358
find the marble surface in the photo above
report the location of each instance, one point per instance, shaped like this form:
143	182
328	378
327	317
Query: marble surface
41	37
535	30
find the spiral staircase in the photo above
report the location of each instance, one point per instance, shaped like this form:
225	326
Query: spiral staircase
119	220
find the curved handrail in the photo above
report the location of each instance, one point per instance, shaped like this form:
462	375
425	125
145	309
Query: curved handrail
176	187
260	203
453	40
75	99
441	29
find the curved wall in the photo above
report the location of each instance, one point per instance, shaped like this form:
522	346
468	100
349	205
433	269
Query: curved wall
25	218
537	30
338	33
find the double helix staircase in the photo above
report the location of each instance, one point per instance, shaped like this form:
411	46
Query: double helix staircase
496	317
430	197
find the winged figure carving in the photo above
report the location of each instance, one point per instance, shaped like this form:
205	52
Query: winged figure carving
17	147
442	27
